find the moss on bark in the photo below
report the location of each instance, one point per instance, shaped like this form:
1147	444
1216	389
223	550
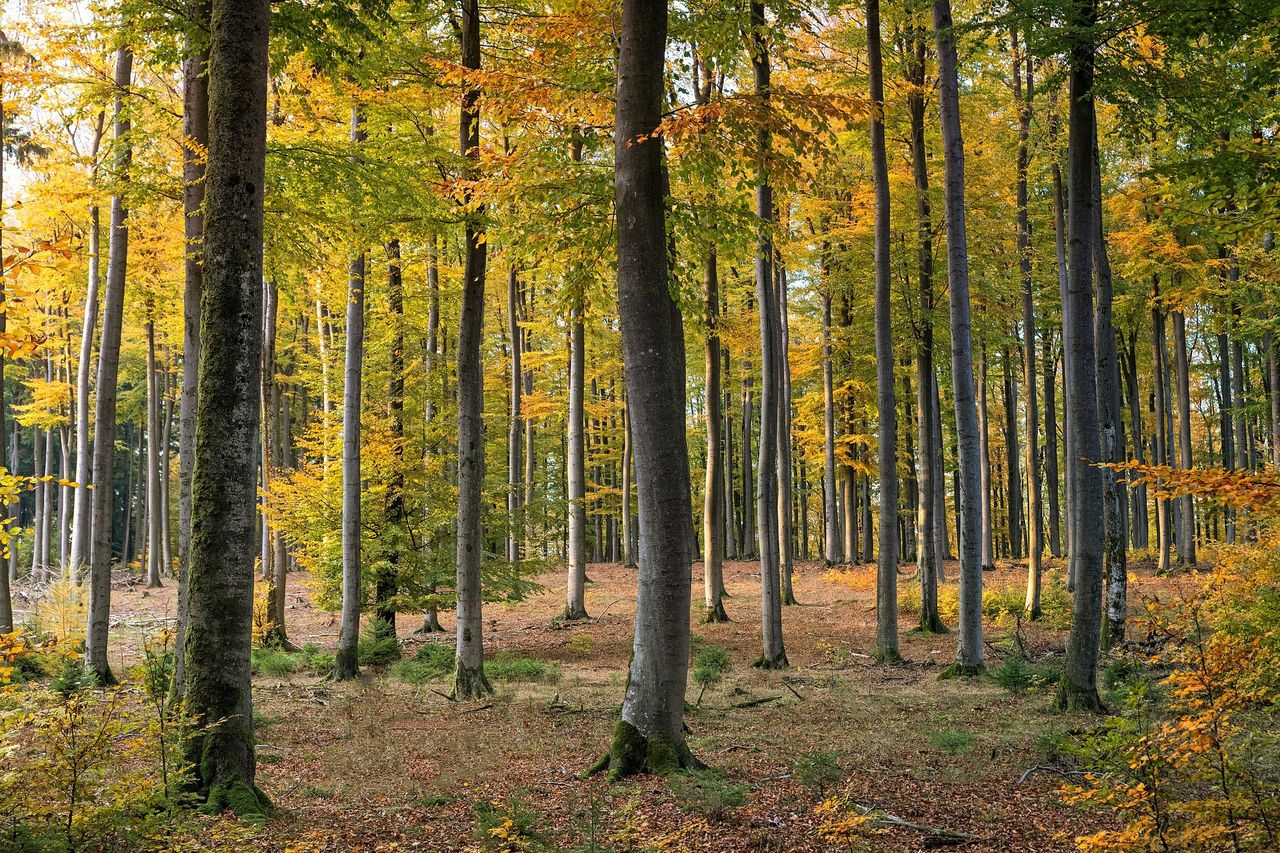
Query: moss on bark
1073	697
779	662
715	614
470	683
886	654
931	623
632	753
957	670
346	665
573	614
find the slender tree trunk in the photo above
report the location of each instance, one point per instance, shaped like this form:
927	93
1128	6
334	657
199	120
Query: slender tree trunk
153	461
774	655
786	553
713	501
347	664
430	616
1079	687
1035	525
984	462
1013	484
1050	362
1187	539
99	609
833	545
887	571
969	649
515	432
575	598
1163	455
469	677
220	602
748	549
650	735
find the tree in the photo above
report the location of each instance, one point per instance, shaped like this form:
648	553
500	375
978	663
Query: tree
887	574
1079	688
650	735
220	575
969	648
347	663
469	677
104	426
774	655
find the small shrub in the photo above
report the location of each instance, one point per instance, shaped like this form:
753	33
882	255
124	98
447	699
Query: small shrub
710	663
707	792
316	659
1016	675
378	651
819	769
508	667
952	741
432	662
272	662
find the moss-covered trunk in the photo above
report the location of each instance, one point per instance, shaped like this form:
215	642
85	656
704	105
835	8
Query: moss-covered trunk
220	583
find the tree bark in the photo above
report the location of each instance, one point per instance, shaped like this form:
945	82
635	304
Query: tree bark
1050	362
887	569
969	657
347	663
1187	538
713	501
99	609
786	528
220	576
1163	454
833	545
650	735
469	677
984	463
515	431
387	579
153	461
1079	688
774	655
575	596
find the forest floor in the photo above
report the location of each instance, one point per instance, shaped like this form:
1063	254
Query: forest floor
383	764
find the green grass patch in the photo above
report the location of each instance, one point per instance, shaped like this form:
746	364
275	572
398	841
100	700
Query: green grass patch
273	662
952	741
508	667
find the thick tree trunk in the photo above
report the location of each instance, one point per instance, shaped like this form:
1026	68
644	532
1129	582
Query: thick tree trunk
1187	537
713	500
1079	685
576	478
650	735
969	658
347	664
1111	428
99	609
887	570
469	677
195	132
220	576
774	655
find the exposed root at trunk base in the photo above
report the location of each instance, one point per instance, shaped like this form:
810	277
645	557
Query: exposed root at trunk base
346	665
962	670
245	801
715	614
778	662
789	597
430	623
276	638
885	654
574	614
1072	697
631	754
470	683
932	624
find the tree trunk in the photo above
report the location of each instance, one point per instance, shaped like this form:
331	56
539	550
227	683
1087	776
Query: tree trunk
195	132
153	461
469	677
747	550
650	735
515	432
347	664
387	579
1187	538
774	655
1163	454
1111	428
99	609
575	596
786	552
713	501
833	545
887	570
1035	521
984	462
969	650
220	576
1013	484
1079	687
430	616
1050	362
